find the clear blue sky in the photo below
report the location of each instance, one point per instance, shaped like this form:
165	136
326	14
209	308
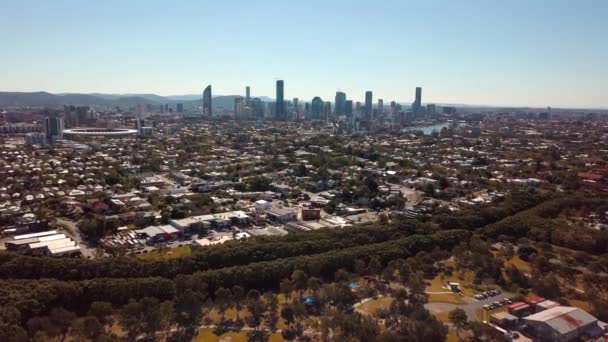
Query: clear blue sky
512	52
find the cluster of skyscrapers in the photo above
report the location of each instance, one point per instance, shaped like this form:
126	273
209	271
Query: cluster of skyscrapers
364	114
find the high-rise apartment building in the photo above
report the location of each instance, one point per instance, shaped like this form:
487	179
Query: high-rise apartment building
53	127
207	107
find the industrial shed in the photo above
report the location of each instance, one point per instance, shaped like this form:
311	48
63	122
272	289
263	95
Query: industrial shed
563	324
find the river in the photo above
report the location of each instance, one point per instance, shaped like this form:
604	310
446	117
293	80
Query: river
427	130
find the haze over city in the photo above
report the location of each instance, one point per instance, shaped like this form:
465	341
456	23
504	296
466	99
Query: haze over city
514	53
312	171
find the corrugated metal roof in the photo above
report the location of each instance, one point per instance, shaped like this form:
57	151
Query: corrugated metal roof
563	319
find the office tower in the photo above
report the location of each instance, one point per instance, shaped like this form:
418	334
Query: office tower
288	110
449	110
238	107
368	104
380	106
280	103
53	127
417	105
326	110
272	110
409	117
207	107
247	93
296	106
340	103
258	108
348	108
180	108
139	110
316	108
431	109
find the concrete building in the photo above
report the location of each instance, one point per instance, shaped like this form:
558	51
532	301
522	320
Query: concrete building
309	214
262	205
281	215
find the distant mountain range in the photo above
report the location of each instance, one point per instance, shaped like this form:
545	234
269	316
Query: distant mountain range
44	99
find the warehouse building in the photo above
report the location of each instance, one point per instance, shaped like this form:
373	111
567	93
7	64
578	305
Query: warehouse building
48	243
217	220
158	233
563	324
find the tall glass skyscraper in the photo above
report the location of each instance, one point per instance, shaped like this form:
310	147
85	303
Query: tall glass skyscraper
368	104
348	108
280	103
340	106
417	105
316	108
207	101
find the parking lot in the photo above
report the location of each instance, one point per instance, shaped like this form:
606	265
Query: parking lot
471	306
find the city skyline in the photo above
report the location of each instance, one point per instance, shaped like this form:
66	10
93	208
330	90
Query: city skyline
544	53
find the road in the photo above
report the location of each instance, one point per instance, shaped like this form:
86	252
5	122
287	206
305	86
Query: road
72	230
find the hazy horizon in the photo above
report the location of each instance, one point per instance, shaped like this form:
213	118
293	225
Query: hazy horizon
515	54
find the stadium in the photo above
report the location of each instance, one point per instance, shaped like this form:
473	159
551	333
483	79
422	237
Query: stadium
99	132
